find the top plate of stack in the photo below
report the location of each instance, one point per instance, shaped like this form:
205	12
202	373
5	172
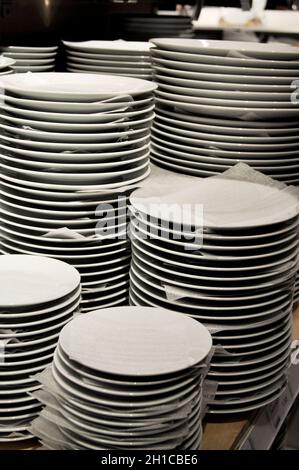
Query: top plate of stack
112	57
33	59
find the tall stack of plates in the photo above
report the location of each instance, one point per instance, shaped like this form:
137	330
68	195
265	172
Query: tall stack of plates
6	65
131	59
238	281
126	378
72	147
38	297
143	28
31	59
221	102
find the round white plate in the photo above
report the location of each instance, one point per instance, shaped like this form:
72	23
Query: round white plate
224	48
108	62
146	70
6	62
118	46
70	87
30	55
109	56
222	208
225	60
154	327
183	72
39	280
177	77
226	69
32	68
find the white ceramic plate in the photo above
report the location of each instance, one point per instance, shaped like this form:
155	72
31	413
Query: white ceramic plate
6	62
111	55
139	76
118	46
225	60
109	62
242	113
145	70
145	364
218	198
39	281
30	55
29	50
177	78
226	69
224	48
70	87
182	72
32	68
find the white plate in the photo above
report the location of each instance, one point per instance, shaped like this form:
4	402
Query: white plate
142	70
225	134
216	101
148	363
235	112
109	56
163	152
89	129
6	62
68	157
76	146
35	62
175	77
70	87
94	120
218	198
39	280
181	72
109	62
30	55
80	180
73	139
118	46
120	103
245	96
195	267
165	142
224	48
193	138
226	69
225	60
139	76
32	68
29	50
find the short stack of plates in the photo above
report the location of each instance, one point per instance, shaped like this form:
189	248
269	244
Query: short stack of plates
143	28
221	102
72	147
131	59
38	297
31	59
239	281
127	378
6	65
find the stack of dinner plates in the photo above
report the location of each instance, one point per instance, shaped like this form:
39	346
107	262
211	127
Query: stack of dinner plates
126	378
72	147
224	252
145	27
221	102
6	65
38	297
31	59
131	59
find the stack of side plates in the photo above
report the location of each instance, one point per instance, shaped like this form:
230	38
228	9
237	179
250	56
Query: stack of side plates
143	28
131	59
221	102
72	146
126	378
6	65
38	297
31	59
238	281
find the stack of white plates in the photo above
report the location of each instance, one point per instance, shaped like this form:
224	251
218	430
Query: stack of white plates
221	102
126	378
38	297
131	59
6	65
238	281
71	145
143	28
31	59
